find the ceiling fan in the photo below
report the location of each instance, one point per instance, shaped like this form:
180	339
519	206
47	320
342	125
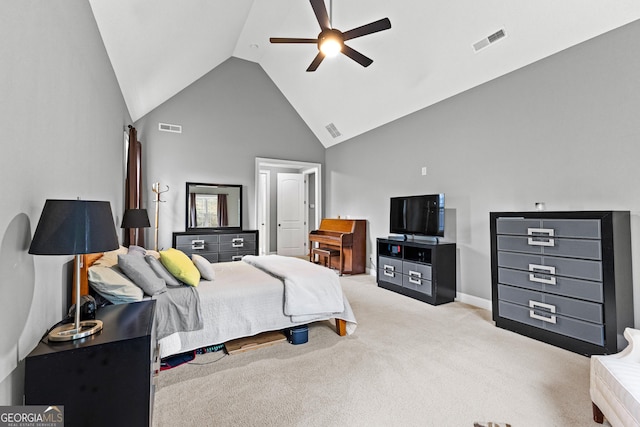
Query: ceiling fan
330	41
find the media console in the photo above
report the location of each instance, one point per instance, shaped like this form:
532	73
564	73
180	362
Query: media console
422	270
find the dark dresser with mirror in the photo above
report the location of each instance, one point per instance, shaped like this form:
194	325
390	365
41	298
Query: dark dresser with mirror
213	224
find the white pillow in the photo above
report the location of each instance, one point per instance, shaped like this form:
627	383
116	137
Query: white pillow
109	259
112	284
204	267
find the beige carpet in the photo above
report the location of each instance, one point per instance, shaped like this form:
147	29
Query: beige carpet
408	364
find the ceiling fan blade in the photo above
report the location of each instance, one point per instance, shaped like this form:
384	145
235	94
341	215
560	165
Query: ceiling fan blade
374	27
320	9
291	40
356	56
316	62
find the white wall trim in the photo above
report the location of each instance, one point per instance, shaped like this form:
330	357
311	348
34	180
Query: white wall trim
475	301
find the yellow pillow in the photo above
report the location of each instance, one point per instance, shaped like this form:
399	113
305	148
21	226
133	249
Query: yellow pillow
180	266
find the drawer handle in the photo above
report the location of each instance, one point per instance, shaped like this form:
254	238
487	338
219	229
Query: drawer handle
197	244
237	239
389	270
236	257
537	304
237	245
415	277
540	236
548	272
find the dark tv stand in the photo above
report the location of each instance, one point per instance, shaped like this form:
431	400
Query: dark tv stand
420	269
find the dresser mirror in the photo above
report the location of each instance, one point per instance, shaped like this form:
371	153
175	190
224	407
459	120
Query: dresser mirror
213	206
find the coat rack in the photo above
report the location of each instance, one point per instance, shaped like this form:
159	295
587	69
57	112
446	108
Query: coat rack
156	189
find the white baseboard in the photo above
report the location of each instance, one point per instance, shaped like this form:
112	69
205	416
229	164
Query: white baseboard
475	301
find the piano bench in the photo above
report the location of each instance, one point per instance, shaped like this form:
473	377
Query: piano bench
325	255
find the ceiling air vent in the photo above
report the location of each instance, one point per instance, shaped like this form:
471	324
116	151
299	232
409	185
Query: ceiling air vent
478	46
333	130
166	127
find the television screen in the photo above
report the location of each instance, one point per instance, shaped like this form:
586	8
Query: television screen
417	215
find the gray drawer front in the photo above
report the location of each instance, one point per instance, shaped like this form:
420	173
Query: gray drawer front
416	270
582	228
417	284
588	311
583	289
193	239
577	268
575	248
232	256
237	238
236	246
390	270
574	328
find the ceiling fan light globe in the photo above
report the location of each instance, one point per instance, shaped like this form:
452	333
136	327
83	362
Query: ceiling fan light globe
330	47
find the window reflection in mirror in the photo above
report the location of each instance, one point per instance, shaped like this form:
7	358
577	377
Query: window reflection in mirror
212	206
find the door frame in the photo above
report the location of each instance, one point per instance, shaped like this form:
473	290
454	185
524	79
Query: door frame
306	168
264	238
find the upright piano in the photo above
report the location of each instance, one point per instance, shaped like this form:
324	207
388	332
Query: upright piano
349	236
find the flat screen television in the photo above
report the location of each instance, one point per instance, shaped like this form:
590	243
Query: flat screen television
417	215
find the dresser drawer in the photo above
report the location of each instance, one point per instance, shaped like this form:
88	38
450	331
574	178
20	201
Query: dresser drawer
552	304
575	248
196	239
583	289
232	256
577	268
238	245
390	270
580	228
575	328
420	271
237	238
417	284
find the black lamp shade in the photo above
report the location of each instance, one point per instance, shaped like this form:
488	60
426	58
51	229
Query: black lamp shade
135	218
72	227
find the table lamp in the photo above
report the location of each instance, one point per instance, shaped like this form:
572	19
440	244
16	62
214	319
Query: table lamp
75	227
135	218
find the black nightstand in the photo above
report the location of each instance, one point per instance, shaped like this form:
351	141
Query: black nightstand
103	380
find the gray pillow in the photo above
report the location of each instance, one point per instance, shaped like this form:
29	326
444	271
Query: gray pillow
137	269
162	272
204	267
137	250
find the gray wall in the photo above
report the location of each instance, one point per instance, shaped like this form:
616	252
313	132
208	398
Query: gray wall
564	131
229	117
62	118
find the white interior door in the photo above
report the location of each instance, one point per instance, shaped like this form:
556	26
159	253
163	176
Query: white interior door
290	216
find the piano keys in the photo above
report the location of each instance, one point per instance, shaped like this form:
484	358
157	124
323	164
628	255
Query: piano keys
349	236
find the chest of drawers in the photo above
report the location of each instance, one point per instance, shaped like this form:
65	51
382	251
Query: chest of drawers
563	277
218	246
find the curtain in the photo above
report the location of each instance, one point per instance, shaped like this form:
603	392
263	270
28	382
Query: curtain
223	215
133	184
193	218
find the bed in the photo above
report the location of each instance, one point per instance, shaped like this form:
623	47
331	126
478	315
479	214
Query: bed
244	298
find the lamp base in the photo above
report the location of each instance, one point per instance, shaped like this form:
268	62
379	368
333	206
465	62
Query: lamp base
70	332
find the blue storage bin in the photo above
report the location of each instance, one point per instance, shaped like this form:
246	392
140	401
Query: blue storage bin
298	334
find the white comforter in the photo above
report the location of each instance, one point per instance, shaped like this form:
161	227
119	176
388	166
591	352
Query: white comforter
309	289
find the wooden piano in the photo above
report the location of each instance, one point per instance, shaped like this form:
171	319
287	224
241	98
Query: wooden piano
349	237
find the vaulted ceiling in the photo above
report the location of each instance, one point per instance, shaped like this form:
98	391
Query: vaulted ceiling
159	47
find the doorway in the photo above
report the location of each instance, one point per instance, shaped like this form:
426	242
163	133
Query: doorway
266	171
